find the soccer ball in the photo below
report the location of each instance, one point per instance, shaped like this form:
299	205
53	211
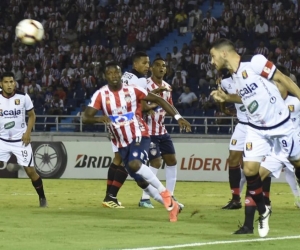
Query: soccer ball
29	31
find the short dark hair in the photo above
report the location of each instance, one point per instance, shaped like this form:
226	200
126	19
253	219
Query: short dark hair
157	59
283	70
221	43
7	74
111	64
138	55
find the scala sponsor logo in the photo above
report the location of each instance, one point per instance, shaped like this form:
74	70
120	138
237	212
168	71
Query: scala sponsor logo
205	164
248	89
85	161
14	112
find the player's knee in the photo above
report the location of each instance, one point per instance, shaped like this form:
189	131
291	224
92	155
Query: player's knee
170	160
142	184
263	173
117	159
30	171
156	163
251	168
135	165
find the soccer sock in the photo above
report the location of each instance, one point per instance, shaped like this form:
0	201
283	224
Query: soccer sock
171	177
234	181
38	185
291	180
119	179
145	195
243	181
110	176
266	190
254	186
151	178
250	208
153	192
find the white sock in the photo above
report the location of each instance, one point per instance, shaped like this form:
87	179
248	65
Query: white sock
151	178
145	196
291	180
153	192
242	181
171	177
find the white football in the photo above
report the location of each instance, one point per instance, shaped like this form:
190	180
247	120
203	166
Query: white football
29	31
12	167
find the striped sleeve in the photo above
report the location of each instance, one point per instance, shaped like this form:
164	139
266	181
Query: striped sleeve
96	101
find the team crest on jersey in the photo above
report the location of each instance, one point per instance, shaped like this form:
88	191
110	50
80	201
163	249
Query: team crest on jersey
244	74
291	108
233	142
248	146
127	98
17	102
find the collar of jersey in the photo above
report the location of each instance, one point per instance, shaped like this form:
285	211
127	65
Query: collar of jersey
138	74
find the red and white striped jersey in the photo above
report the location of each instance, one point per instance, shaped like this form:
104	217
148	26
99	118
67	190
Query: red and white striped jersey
262	50
124	109
212	36
274	31
156	122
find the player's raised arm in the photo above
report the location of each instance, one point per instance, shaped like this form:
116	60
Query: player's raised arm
170	110
221	96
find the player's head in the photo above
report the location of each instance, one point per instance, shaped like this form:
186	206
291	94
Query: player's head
113	74
221	51
8	83
141	62
158	68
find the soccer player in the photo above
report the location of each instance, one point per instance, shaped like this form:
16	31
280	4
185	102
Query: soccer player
269	128
121	106
15	134
116	174
161	145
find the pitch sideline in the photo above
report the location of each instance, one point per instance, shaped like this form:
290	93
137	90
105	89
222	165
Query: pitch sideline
199	244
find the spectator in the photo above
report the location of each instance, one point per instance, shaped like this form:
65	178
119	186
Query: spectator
261	29
178	82
88	83
18	73
186	99
61	93
181	22
56	106
195	17
176	54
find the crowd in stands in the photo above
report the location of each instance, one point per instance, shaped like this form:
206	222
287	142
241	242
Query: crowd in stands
82	35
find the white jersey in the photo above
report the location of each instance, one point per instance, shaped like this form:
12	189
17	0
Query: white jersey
156	122
135	79
12	115
264	105
228	86
293	104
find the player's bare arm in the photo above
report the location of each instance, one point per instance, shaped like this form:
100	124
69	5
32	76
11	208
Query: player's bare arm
88	117
148	106
31	121
287	82
221	96
170	110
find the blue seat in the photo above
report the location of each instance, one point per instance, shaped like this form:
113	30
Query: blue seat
225	130
199	129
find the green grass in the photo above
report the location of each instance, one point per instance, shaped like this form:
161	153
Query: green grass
75	219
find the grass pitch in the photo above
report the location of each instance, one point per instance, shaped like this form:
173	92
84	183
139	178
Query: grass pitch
76	220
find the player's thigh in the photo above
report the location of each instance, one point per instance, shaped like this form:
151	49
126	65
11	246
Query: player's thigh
5	151
294	156
23	154
272	166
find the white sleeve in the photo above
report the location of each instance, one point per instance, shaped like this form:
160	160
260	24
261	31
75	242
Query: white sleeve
262	66
28	103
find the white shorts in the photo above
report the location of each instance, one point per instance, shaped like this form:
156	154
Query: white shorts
114	147
278	141
238	137
275	164
22	153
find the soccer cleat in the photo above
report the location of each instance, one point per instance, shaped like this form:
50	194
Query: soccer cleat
244	230
146	203
43	202
174	212
232	204
167	199
180	204
297	201
263	223
111	204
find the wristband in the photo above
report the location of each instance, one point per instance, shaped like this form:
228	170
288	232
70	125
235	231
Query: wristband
177	117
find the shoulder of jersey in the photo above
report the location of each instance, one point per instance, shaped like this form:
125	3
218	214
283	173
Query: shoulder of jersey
18	92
